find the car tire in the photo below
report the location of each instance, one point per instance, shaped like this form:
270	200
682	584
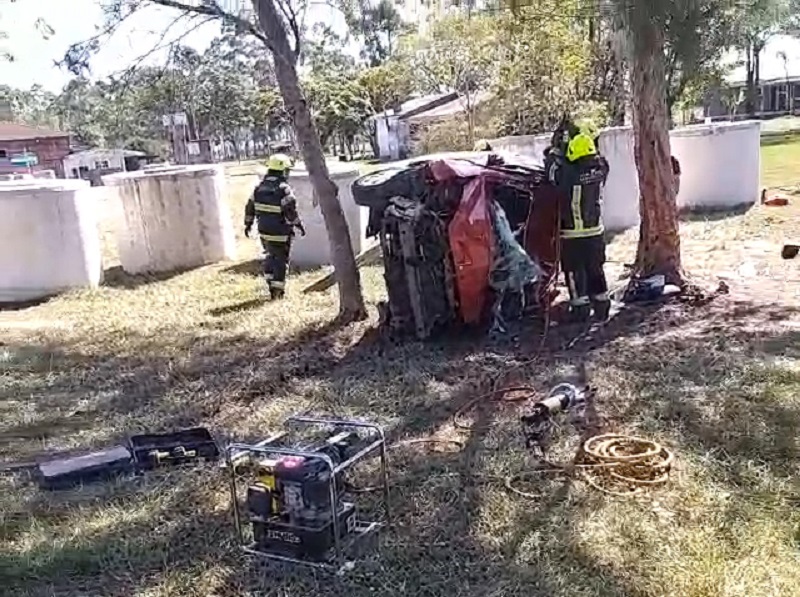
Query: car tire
374	190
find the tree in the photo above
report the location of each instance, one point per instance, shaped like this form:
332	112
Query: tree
532	95
645	24
457	55
386	86
277	25
756	22
377	25
340	108
695	41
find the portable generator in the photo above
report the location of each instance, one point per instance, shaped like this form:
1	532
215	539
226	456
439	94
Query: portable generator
295	497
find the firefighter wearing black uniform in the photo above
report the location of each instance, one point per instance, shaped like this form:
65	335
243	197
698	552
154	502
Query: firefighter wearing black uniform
274	205
580	172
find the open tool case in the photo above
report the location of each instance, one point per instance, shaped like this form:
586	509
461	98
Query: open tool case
139	453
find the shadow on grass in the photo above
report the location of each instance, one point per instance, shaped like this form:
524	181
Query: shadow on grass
116	277
254	268
23	305
118	538
237	307
699	377
712	214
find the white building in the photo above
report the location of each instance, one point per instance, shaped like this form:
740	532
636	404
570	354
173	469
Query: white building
392	127
82	163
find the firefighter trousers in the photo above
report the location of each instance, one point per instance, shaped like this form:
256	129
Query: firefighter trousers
582	260
276	261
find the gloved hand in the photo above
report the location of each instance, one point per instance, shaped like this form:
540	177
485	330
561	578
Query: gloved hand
247	231
301	229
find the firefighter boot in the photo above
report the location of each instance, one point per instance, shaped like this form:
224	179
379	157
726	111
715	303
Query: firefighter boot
276	293
580	313
602	310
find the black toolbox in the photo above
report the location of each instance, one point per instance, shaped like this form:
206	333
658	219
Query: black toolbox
178	447
63	473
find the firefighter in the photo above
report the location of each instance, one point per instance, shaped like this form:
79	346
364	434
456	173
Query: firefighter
274	205
576	167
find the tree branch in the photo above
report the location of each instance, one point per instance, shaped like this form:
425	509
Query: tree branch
216	11
291	18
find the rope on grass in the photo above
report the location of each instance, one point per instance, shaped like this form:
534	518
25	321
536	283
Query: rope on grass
614	464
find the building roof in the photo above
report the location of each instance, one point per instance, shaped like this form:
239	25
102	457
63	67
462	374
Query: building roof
773	68
100	152
11	131
417	105
458	105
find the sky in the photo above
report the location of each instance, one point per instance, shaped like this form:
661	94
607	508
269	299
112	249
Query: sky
76	20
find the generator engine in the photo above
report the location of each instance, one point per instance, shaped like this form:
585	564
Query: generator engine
295	504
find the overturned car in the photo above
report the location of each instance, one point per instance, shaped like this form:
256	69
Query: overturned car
466	238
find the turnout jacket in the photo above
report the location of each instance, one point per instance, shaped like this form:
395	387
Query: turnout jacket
274	205
581	183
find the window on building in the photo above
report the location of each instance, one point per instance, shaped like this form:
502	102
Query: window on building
3	154
101	164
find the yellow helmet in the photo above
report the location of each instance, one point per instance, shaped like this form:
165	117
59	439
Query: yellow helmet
279	163
580	146
482	145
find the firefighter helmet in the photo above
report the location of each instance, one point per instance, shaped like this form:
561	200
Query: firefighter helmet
482	145
580	146
279	163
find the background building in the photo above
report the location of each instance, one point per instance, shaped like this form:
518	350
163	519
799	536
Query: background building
28	149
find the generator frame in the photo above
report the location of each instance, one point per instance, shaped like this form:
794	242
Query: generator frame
338	563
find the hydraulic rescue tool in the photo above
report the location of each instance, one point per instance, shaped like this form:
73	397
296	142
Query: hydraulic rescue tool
295	498
537	425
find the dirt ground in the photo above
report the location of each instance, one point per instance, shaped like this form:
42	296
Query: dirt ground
717	382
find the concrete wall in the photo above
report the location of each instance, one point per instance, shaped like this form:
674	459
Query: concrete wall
49	240
174	217
720	166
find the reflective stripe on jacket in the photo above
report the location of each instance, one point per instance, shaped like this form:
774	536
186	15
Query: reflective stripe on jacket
274	206
581	182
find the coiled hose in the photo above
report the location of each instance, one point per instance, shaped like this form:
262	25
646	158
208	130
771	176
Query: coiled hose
618	465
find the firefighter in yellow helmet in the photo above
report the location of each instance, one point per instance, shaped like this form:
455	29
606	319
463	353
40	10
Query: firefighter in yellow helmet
482	145
575	166
274	205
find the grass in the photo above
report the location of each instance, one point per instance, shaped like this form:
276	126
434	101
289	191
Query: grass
780	160
719	384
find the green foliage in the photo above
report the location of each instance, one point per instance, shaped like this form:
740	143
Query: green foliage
377	26
387	86
339	104
544	70
458	53
225	91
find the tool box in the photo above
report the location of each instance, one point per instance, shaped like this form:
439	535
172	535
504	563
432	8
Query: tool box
179	447
63	473
140	453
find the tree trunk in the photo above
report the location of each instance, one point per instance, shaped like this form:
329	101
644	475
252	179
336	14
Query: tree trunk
750	95
758	100
659	250
351	300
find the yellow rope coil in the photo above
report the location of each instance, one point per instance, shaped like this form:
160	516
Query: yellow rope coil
624	465
618	465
